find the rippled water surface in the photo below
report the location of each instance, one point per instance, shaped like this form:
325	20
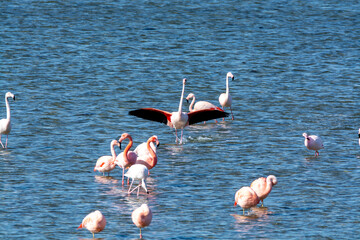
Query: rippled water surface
78	67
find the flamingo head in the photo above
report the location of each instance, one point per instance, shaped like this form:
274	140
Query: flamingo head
306	136
272	179
9	94
191	95
155	140
184	81
230	75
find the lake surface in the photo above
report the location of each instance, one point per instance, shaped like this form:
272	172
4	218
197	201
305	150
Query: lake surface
78	67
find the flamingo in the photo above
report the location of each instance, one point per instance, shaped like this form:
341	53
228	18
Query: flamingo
225	99
262	186
5	123
142	217
142	149
246	197
179	119
138	172
313	142
94	222
149	156
126	158
200	105
107	163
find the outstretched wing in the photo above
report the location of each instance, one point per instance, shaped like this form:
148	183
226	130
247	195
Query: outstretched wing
152	114
205	115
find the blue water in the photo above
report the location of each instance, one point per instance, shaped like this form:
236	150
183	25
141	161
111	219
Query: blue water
78	67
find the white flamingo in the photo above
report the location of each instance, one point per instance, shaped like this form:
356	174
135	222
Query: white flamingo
5	124
200	105
313	142
107	163
225	99
138	172
179	119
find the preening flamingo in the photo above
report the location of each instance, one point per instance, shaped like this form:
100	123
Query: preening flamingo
138	172
126	158
179	119
142	217
263	186
5	123
313	142
148	157
200	105
94	222
225	99
246	197
107	163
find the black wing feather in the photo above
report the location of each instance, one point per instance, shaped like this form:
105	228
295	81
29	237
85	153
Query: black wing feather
205	115
151	114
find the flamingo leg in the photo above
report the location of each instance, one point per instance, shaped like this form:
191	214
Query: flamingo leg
176	135
130	186
243	211
1	142
223	110
138	188
93	235
123	177
232	115
262	203
181	135
140	234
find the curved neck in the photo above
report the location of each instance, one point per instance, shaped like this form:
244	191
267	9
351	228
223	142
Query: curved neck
268	185
227	84
7	108
153	155
112	149
182	98
191	107
128	148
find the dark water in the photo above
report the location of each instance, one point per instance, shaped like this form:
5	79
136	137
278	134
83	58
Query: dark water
78	67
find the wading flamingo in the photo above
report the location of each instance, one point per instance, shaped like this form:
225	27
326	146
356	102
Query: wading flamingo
142	217
107	163
94	222
200	105
246	198
142	149
126	158
179	119
5	124
313	142
138	172
148	157
262	186
225	99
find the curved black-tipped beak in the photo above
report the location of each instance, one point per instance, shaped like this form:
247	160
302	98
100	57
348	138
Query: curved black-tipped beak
14	97
120	145
187	100
147	192
157	145
233	78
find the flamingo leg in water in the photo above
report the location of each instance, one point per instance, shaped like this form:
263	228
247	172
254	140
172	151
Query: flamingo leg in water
140	234
181	135
232	115
130	186
122	182
1	142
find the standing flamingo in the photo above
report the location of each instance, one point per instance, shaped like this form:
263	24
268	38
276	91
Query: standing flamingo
179	119
200	105
126	158
142	217
5	123
107	163
138	172
148	157
313	142
225	99
262	186
246	197
94	222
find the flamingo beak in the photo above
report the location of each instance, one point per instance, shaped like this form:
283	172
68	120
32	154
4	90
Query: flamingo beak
157	143
120	145
235	203
14	97
81	226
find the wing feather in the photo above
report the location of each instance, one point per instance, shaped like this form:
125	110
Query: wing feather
152	114
205	115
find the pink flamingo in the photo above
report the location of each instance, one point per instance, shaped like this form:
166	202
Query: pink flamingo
126	158
148	157
5	123
246	197
107	163
313	142
262	186
200	105
94	222
179	119
225	99
142	217
138	172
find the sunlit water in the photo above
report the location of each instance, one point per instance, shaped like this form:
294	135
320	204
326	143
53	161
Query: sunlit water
78	67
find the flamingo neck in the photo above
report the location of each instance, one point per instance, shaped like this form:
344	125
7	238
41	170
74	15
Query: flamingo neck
112	149
268	185
153	160
181	99
7	108
191	107
127	149
227	85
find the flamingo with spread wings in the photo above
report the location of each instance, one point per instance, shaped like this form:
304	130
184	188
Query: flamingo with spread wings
179	119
